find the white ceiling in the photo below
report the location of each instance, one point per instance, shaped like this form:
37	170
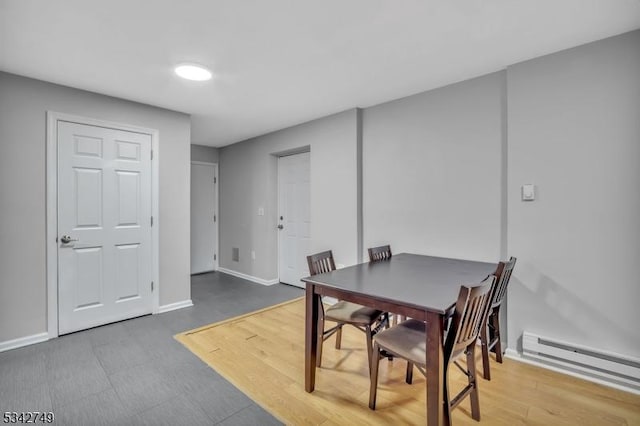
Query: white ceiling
278	63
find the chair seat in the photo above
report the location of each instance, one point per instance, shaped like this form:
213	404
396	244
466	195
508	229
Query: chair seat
407	340
351	313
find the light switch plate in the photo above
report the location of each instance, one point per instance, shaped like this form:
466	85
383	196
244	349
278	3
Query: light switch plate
528	192
260	211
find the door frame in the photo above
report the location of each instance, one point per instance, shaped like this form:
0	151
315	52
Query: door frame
52	207
216	261
288	153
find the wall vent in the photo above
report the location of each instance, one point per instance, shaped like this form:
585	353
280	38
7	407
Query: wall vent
611	367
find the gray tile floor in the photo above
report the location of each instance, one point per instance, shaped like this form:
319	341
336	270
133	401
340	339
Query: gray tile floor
134	372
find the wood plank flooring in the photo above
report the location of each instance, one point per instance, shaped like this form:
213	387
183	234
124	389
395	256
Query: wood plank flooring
263	355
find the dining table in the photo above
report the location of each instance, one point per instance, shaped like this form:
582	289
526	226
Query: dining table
418	286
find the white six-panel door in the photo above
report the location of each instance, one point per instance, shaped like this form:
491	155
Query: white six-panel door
204	230
294	217
104	208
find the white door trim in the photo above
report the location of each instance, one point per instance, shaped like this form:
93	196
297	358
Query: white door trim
52	208
304	150
216	212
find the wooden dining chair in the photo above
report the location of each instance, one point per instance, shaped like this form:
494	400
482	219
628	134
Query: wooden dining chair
377	254
407	340
490	334
368	320
380	254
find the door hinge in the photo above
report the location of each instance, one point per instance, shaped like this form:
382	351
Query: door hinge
215	218
215	180
151	285
151	220
215	256
152	154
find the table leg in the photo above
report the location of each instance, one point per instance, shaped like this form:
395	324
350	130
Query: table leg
436	414
310	337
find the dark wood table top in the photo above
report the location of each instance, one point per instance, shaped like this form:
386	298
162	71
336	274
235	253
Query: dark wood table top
424	282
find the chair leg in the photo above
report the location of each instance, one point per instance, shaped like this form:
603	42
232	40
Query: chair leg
495	318
446	395
471	367
373	386
320	342
339	336
384	319
484	341
370	347
409	376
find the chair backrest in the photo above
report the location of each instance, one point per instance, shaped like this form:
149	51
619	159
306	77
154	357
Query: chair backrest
321	262
379	253
504	275
469	317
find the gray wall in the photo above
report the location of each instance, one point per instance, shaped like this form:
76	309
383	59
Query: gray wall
442	172
23	106
574	132
432	171
248	180
206	154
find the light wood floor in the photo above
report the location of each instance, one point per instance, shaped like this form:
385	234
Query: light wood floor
263	353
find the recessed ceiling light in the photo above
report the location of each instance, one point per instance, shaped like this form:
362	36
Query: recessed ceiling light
193	72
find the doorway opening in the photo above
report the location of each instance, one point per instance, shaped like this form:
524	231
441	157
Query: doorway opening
204	217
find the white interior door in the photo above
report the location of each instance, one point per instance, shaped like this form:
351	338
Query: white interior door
294	217
104	209
204	229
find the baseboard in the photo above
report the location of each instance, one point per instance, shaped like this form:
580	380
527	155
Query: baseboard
517	356
249	277
23	341
173	306
203	272
329	300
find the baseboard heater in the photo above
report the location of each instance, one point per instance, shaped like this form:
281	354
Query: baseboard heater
613	368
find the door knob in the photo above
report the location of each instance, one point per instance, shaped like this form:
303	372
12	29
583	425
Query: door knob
66	239
280	227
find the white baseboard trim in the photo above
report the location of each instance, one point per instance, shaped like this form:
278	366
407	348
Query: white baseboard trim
329	300
249	277
173	306
517	356
23	341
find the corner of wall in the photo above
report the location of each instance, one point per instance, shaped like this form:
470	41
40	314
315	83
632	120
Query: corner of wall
359	185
